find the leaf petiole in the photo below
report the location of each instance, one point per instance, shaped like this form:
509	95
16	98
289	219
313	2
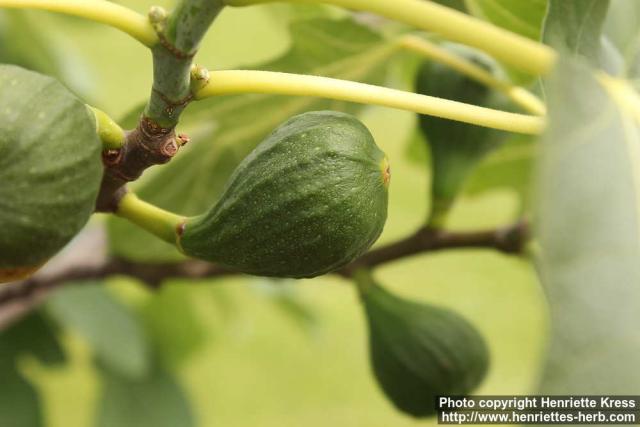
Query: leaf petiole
269	82
511	48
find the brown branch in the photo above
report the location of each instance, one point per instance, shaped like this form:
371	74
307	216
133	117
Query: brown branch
147	145
153	141
509	240
151	274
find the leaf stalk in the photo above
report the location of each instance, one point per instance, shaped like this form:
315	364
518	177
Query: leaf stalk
269	82
511	48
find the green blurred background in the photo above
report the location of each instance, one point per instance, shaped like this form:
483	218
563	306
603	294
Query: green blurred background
294	353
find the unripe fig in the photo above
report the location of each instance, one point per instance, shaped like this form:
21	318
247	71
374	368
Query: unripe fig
50	169
309	199
456	148
420	351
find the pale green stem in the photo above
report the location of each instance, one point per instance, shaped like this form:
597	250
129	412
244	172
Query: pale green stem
160	223
511	48
182	32
102	11
110	133
517	94
269	82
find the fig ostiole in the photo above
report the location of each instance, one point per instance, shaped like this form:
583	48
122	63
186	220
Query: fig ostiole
420	351
50	169
309	199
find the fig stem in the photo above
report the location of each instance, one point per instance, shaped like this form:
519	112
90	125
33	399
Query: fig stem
105	12
514	49
159	222
111	134
269	82
519	95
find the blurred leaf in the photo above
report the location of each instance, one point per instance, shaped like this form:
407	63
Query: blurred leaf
296	310
622	23
23	42
19	402
172	323
622	26
35	335
454	4
226	129
286	13
522	17
575	27
416	150
589	229
283	294
153	401
510	166
113	332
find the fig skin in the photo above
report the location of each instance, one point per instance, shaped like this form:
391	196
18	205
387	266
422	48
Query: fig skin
50	169
309	199
420	351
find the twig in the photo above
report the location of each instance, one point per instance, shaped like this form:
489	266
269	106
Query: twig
153	141
509	240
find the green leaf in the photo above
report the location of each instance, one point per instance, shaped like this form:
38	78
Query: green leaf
284	13
153	401
522	17
31	335
34	335
225	129
21	44
622	26
575	27
172	324
284	296
113	332
19	402
510	166
589	230
416	151
28	42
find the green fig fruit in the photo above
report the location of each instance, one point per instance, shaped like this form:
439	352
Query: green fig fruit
309	199
420	351
50	169
456	148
